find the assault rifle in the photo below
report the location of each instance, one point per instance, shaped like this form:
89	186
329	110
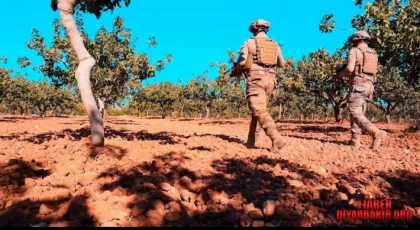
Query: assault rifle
334	71
338	69
233	72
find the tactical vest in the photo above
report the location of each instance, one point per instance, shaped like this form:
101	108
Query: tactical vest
369	66
266	53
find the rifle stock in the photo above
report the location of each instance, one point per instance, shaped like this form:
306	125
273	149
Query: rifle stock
233	72
340	68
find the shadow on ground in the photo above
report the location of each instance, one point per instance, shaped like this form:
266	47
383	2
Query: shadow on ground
76	135
107	150
239	192
163	138
254	191
222	123
15	172
64	212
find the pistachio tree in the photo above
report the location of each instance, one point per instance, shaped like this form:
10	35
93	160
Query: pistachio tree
5	80
119	69
44	97
290	85
163	94
317	71
85	60
392	91
18	95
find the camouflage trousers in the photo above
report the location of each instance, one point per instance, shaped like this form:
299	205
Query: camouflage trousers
357	102
259	90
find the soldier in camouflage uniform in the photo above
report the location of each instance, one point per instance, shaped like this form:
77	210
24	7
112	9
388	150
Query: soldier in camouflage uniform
362	64
259	58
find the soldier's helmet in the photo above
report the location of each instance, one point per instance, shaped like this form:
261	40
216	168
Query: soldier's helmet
259	25
359	35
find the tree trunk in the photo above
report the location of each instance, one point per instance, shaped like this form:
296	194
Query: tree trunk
302	117
42	113
280	110
387	117
163	113
86	63
207	112
338	113
101	103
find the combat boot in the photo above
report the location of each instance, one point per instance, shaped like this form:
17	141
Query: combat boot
378	137
251	134
355	140
278	143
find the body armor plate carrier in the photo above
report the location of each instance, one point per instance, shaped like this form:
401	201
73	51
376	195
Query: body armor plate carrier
370	62
267	52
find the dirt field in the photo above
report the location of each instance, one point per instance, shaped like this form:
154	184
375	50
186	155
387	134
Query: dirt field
156	172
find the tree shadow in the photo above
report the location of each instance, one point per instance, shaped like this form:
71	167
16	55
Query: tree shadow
107	150
8	121
71	123
322	140
10	137
14	173
200	148
224	137
66	133
54	208
59	116
405	183
221	123
14	119
283	129
76	135
253	191
153	118
64	212
121	122
390	131
317	129
184	119
168	194
297	122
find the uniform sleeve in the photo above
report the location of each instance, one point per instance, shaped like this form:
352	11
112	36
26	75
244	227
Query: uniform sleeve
243	53
280	60
351	63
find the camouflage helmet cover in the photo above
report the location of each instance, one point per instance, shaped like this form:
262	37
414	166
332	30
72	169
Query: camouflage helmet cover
260	23
359	35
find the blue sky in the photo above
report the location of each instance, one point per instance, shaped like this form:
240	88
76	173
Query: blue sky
195	33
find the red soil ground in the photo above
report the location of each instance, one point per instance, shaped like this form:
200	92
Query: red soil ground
184	172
